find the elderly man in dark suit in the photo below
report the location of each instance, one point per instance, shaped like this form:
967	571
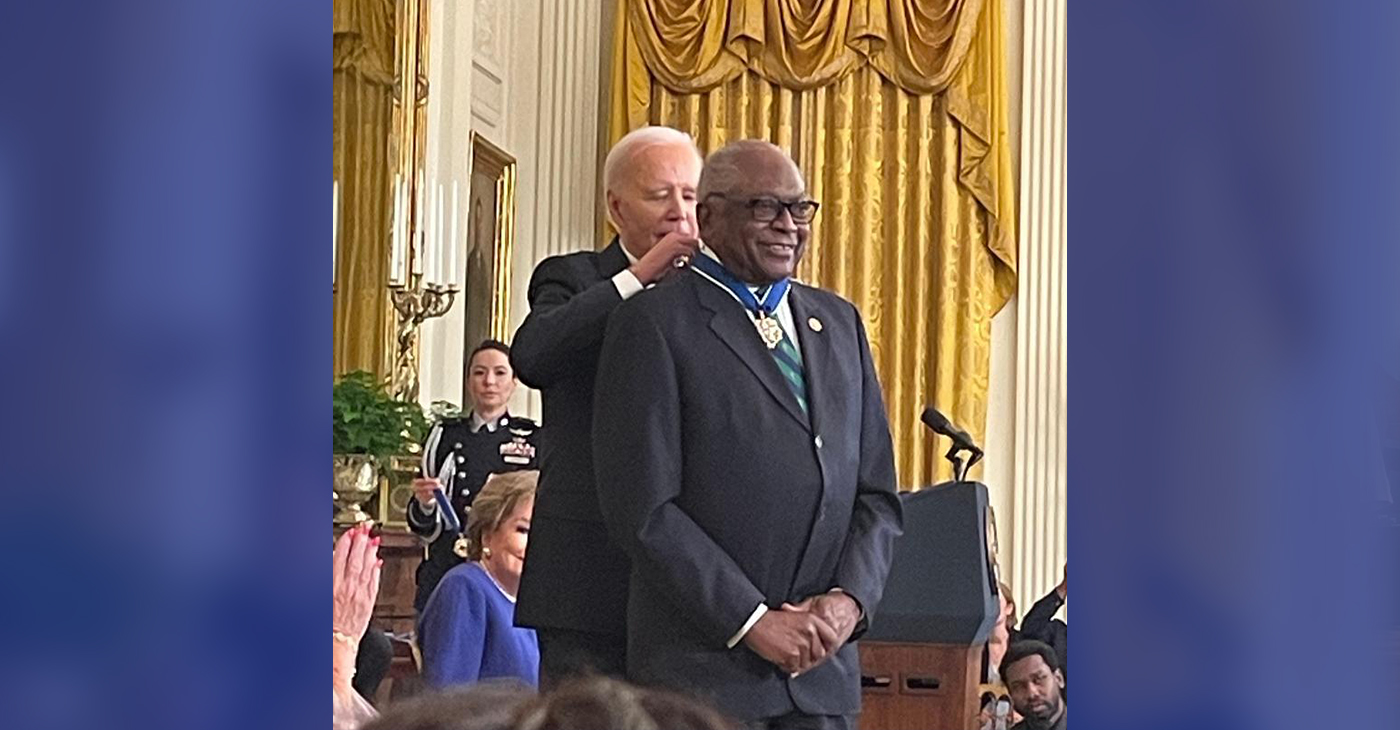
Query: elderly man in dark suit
574	588
744	462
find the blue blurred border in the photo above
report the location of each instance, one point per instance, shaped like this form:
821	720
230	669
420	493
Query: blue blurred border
1235	176
162	188
164	312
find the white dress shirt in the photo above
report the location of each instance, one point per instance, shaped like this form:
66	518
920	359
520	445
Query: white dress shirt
783	313
627	282
491	425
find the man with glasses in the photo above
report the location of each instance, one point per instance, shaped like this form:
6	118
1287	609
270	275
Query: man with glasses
744	462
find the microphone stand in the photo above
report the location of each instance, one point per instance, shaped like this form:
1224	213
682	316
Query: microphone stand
962	443
953	456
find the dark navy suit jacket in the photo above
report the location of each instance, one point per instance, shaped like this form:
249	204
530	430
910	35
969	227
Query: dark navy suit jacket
726	495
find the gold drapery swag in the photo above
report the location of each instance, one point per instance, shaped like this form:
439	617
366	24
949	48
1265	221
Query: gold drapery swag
896	112
362	122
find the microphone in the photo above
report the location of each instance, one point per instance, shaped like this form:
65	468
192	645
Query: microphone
936	421
940	424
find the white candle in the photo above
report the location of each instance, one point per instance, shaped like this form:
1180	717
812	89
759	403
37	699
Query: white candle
428	229
437	236
405	229
335	226
396	233
418	222
416	230
430	255
452	241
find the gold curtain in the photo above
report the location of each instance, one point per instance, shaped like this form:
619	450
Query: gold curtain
363	87
895	110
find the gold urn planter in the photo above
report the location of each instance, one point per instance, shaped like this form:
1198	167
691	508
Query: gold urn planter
356	481
397	490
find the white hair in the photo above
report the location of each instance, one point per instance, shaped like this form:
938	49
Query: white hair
634	142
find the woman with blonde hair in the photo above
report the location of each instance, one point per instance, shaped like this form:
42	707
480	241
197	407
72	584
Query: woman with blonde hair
467	630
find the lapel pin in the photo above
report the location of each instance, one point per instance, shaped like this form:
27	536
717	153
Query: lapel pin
815	324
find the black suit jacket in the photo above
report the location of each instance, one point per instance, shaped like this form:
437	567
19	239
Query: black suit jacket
574	577
725	495
1040	624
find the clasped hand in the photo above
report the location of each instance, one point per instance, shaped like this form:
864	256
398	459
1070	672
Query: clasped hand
798	637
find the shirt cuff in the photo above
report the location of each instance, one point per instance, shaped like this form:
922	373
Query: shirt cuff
627	284
753	619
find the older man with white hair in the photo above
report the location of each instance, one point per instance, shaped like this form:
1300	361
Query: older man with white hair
574	587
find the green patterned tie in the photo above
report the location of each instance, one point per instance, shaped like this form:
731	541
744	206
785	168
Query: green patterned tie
789	361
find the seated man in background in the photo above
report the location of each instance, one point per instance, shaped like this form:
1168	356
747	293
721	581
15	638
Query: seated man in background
1040	623
467	631
1033	678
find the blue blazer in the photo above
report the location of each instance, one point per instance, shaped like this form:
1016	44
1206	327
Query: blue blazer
467	633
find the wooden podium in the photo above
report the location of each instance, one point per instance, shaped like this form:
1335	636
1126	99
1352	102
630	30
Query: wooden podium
918	686
921	661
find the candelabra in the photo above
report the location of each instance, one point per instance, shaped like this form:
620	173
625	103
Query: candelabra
423	272
416	303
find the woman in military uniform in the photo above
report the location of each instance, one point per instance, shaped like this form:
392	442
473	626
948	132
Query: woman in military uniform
458	456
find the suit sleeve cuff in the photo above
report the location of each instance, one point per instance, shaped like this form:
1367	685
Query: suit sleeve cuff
859	606
420	515
424	521
627	284
744	630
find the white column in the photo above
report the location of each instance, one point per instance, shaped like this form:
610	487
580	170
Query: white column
1034	549
450	31
999	466
524	73
554	92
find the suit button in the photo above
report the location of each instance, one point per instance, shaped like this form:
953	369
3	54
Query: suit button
818	441
461	460
457	445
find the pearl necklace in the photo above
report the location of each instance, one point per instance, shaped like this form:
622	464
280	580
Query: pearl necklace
509	596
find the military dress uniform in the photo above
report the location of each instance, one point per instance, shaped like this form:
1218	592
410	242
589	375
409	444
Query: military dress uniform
476	450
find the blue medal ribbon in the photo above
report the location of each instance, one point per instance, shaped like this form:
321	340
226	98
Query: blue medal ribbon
444	477
449	515
765	308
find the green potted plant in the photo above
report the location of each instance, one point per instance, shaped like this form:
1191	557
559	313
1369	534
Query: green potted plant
370	428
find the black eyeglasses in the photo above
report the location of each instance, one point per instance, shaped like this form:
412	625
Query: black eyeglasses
767	210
